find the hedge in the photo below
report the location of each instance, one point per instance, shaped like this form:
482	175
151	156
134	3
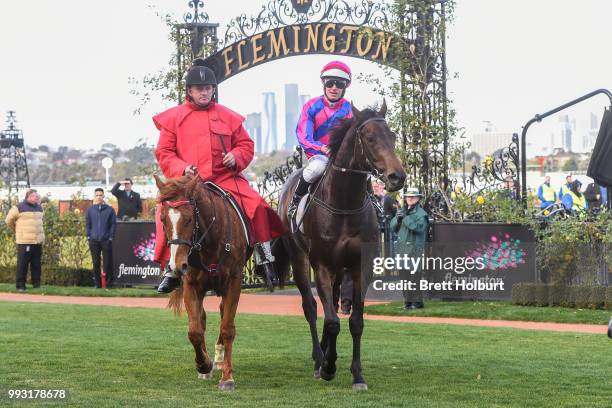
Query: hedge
580	296
61	276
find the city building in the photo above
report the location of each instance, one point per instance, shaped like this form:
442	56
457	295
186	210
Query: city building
490	140
269	124
252	124
292	113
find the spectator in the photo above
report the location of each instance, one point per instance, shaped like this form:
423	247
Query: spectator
26	222
546	194
130	205
593	196
100	224
411	224
574	200
566	187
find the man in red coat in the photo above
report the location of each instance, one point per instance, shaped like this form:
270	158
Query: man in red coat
205	138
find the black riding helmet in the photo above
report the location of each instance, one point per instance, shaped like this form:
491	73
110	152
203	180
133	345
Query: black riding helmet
200	74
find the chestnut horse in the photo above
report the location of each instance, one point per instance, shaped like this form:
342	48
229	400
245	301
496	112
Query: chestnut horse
341	231
208	244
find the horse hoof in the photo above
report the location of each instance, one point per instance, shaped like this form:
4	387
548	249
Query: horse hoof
317	375
325	375
228	385
360	387
206	376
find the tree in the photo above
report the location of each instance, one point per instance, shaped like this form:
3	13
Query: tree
570	165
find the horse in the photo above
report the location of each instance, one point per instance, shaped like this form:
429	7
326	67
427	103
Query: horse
208	245
339	222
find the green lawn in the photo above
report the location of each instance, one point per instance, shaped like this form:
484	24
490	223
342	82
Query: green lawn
495	311
119	357
142	291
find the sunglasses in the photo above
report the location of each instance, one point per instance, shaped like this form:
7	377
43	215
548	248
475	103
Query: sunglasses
338	83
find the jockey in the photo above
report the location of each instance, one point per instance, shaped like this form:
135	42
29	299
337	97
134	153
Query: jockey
204	138
318	116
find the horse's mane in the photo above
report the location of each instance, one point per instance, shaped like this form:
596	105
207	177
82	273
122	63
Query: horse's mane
339	131
173	188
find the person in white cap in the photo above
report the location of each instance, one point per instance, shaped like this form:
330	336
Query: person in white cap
411	224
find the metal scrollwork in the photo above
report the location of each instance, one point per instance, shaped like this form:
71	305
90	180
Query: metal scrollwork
280	13
196	15
270	185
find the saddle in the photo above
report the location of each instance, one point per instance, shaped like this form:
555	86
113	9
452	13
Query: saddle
246	225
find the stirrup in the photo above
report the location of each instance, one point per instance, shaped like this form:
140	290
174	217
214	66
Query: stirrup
293	205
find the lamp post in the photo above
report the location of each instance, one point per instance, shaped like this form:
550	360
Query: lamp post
107	163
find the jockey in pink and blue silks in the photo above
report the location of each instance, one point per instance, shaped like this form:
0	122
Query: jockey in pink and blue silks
318	117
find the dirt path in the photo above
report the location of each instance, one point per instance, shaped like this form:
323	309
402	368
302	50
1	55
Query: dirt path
292	306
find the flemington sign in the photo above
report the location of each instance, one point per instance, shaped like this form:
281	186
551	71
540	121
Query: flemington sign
303	39
287	28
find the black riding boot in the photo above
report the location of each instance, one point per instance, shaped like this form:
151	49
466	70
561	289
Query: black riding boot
171	281
300	191
264	261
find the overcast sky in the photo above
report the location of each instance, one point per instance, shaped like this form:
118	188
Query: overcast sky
65	67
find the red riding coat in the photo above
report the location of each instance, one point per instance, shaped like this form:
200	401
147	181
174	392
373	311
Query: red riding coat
191	135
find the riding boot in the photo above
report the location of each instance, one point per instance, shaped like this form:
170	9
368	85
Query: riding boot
265	264
171	281
300	191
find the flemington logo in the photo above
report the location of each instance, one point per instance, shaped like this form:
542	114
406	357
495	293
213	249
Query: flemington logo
142	271
145	248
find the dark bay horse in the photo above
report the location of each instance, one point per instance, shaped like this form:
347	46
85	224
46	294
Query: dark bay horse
208	245
339	225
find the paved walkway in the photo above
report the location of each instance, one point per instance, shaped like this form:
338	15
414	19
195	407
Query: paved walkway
292	306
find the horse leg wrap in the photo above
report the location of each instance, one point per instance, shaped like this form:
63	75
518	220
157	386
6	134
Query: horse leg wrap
219	355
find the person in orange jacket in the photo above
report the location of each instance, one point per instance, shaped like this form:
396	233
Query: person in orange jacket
202	137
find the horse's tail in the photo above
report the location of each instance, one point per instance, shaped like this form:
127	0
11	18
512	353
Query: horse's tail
281	263
175	302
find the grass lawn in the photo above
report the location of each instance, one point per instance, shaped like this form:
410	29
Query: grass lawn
143	291
495	311
120	357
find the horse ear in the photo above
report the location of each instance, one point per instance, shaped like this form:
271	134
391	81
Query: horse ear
356	112
190	187
383	109
158	182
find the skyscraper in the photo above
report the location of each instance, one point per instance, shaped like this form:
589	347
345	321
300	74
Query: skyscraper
565	141
292	113
252	124
268	125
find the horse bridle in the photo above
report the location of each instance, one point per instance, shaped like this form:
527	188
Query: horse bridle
195	242
369	161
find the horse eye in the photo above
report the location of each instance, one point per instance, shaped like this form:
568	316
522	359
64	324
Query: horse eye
188	221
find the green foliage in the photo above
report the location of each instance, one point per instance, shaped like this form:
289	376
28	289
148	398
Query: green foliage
52	275
570	165
542	294
573	250
65	243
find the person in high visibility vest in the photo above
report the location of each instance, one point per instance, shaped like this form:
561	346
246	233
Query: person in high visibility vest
566	187
546	194
574	200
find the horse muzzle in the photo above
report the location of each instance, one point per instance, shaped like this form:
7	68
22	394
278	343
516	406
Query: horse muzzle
394	181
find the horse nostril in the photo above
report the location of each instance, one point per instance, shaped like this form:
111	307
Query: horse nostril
394	177
184	268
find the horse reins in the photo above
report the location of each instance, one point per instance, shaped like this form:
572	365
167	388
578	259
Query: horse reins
366	203
196	241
